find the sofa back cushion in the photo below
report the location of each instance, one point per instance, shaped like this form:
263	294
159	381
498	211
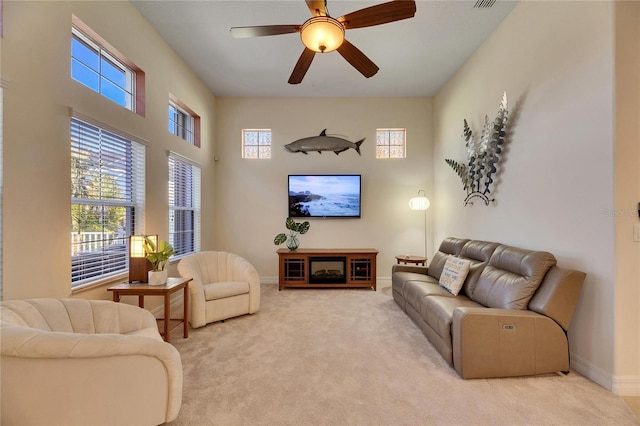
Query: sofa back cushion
449	245
75	316
511	277
479	253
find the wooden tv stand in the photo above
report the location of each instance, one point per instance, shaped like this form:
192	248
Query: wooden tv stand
359	268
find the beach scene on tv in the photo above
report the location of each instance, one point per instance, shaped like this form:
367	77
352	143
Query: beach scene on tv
324	196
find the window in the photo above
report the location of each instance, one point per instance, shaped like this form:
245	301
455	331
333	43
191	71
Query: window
390	143
107	200
184	205
183	122
180	123
94	67
99	66
1	178
256	143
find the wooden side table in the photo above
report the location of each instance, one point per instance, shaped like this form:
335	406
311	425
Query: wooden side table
416	260
166	290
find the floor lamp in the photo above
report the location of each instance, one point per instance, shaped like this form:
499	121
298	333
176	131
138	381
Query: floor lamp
421	202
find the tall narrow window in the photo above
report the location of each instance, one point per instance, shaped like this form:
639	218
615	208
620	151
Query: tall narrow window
256	143
184	205
107	200
1	179
390	143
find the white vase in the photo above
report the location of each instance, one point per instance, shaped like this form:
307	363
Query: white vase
157	277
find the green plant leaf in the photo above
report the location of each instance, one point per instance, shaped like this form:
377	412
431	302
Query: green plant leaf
158	256
279	239
291	224
303	227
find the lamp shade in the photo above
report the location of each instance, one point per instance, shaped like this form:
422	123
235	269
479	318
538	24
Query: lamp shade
322	34
136	246
138	263
419	203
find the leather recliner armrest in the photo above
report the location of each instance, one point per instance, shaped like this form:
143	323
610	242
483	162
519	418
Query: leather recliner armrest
504	342
409	268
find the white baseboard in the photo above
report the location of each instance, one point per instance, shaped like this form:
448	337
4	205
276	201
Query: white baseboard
268	280
383	281
626	385
620	385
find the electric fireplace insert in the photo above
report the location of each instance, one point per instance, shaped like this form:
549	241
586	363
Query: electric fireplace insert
327	270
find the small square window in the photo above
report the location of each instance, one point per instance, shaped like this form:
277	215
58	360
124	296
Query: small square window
256	143
391	143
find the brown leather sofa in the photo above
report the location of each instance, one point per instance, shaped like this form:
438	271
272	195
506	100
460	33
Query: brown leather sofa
510	318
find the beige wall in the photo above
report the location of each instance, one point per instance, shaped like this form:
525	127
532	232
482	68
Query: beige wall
251	195
555	191
627	195
39	93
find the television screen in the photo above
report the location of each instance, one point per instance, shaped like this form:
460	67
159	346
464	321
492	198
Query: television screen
324	195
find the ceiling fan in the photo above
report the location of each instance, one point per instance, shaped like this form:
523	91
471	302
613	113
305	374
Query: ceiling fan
322	33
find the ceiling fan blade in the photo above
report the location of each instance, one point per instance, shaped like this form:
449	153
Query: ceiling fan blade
317	7
303	64
264	30
380	14
357	59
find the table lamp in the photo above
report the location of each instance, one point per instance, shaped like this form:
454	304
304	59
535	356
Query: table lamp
139	266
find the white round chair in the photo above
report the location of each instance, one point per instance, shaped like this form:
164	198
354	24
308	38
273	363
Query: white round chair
223	285
85	362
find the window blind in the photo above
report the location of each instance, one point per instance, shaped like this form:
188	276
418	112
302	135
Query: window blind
107	200
184	205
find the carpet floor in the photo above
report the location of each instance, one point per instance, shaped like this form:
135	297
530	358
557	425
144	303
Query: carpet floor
352	357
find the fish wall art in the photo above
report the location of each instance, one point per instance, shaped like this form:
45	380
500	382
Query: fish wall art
323	142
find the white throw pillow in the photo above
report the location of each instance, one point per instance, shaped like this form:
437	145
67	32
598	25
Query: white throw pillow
453	274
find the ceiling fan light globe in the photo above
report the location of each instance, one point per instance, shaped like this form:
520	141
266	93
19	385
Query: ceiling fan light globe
322	34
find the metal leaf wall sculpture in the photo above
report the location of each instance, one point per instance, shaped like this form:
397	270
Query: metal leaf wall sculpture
483	156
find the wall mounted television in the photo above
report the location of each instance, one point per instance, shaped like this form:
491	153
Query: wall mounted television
325	196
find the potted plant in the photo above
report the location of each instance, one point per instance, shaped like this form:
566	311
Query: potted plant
158	257
295	228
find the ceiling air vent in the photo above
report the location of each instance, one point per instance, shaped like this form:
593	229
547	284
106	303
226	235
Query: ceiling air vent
483	4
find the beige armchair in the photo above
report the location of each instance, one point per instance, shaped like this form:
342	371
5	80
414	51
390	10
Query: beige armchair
223	285
85	362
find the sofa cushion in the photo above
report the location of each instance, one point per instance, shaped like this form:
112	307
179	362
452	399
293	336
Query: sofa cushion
437	313
453	274
511	277
448	246
479	253
221	290
415	291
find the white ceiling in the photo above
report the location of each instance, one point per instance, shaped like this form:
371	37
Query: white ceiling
416	56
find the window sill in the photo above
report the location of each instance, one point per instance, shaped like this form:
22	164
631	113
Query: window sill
114	279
